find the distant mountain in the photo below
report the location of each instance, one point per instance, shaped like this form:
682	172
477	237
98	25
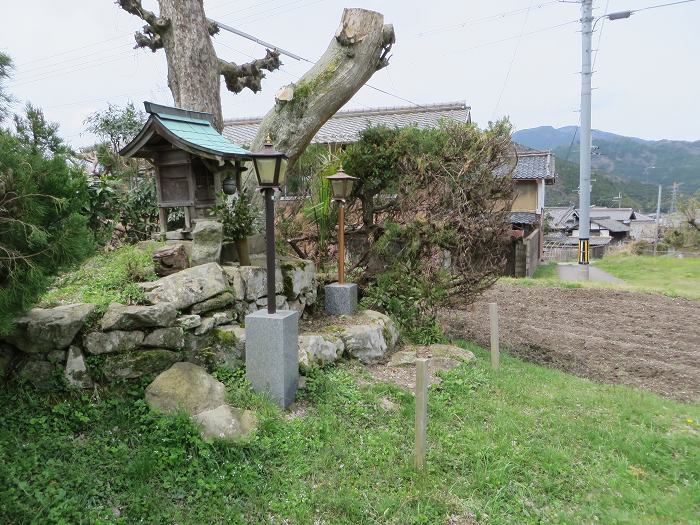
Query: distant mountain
631	166
605	190
547	137
624	159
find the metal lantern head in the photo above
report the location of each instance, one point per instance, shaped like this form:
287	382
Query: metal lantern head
341	185
229	186
270	166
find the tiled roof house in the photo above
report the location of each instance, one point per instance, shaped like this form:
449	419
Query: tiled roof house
345	126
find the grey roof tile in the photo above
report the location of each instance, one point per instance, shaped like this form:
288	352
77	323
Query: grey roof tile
345	126
523	217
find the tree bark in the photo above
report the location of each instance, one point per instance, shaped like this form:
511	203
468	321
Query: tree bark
183	31
193	67
359	48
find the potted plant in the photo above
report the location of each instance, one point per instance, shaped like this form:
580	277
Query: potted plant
238	217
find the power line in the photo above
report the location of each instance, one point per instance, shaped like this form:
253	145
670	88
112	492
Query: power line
662	5
29	71
488	18
512	61
81	48
298	57
600	34
67	71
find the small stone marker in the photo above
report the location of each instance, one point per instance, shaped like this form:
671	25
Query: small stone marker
495	351
421	411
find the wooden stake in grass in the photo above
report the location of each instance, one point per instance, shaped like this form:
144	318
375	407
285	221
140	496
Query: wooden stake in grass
495	351
421	411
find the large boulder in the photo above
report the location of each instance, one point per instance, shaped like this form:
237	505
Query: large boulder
223	346
215	303
120	317
187	387
372	338
43	330
226	422
320	349
138	363
250	282
40	374
190	388
112	342
75	372
187	322
207	238
172	338
7	359
188	287
170	259
299	276
439	356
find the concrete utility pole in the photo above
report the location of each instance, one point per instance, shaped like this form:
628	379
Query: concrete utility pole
584	221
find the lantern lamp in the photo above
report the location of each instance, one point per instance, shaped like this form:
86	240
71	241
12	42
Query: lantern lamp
270	166
341	185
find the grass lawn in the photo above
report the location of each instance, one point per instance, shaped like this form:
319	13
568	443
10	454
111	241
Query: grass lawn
525	445
665	274
104	278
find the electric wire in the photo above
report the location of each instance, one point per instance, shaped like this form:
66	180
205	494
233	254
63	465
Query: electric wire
662	5
512	61
487	18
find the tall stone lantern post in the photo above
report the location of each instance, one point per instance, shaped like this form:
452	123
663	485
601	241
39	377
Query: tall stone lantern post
272	336
341	297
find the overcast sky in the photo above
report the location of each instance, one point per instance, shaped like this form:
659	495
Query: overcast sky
503	57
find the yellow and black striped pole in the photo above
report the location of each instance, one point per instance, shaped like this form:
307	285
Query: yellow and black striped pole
584	251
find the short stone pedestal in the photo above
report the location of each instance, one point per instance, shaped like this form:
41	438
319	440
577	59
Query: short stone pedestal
272	354
341	299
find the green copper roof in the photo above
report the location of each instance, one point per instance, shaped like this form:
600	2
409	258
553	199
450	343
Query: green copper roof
199	133
191	131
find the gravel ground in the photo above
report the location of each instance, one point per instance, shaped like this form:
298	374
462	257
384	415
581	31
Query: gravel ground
643	340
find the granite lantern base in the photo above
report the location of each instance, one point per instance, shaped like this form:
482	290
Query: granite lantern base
272	354
341	299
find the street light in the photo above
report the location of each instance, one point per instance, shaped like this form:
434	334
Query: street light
341	185
270	169
588	23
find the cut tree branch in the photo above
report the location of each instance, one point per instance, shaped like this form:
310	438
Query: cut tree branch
249	75
358	49
156	25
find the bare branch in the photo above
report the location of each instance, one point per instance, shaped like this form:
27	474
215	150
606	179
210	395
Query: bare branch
150	37
249	75
134	7
212	27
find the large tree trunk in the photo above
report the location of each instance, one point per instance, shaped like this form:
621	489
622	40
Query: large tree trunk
182	29
193	67
359	48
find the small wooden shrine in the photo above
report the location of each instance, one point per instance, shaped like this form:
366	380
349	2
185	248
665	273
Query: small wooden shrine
190	157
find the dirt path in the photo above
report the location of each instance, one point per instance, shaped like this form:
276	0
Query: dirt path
644	340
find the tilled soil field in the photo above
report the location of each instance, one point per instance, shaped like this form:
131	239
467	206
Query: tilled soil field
643	340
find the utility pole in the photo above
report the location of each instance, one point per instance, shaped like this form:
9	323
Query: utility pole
658	218
584	222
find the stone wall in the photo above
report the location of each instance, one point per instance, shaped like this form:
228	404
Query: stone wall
193	315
